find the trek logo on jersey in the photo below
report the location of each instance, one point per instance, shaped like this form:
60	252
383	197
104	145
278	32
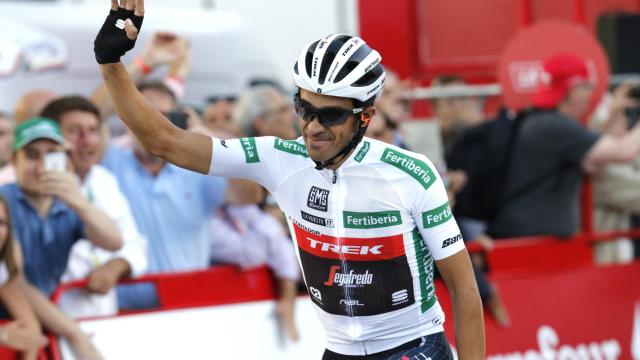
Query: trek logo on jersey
414	167
350	279
371	220
437	216
318	199
451	240
399	297
346	248
250	150
290	146
316	219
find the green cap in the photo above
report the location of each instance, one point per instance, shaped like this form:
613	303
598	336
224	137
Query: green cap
34	129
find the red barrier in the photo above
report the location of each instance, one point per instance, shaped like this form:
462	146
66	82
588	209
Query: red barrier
585	313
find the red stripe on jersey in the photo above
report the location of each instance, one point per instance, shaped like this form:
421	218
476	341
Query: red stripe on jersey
325	246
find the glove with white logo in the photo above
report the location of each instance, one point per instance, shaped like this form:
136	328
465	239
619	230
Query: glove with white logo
117	35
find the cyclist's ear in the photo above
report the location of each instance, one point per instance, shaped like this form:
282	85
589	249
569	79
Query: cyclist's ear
367	115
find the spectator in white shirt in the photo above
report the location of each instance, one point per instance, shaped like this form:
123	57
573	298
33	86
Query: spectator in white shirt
81	127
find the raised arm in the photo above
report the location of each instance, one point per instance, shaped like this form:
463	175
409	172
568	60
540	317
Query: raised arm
613	149
186	149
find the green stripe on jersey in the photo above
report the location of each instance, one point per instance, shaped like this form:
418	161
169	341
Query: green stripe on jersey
412	166
363	151
290	146
250	150
425	272
437	216
370	220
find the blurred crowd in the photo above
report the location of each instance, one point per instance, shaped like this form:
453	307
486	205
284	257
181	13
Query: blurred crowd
82	199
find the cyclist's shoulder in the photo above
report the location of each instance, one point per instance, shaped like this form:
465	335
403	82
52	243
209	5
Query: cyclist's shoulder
397	164
274	147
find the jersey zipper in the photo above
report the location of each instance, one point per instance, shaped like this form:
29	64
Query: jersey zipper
354	323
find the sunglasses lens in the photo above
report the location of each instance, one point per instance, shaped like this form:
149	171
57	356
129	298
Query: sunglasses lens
332	116
326	116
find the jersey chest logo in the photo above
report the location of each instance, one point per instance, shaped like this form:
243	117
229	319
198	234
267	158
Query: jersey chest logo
318	199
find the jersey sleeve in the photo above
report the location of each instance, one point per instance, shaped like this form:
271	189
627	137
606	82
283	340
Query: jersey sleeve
251	158
432	214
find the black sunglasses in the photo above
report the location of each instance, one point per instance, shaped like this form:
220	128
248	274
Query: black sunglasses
326	116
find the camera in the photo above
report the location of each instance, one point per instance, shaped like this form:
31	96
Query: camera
632	113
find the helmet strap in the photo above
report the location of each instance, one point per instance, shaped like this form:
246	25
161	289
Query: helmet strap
355	140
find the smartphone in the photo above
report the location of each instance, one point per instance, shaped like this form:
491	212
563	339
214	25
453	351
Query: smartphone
55	161
178	118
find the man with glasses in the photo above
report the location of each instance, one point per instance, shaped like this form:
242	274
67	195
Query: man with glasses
369	220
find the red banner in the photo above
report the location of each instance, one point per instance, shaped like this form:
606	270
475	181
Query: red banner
587	313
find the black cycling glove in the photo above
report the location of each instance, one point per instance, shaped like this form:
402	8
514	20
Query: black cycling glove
112	41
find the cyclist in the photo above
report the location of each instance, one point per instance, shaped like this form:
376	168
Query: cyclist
369	220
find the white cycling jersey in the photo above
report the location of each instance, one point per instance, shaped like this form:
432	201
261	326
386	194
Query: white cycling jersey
366	234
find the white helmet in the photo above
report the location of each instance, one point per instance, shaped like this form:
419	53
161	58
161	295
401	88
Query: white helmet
340	65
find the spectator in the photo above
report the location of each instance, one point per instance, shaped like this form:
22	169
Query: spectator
455	114
393	106
248	237
27	305
552	152
263	110
31	104
617	188
218	114
23	333
7	172
171	206
50	214
6	139
81	127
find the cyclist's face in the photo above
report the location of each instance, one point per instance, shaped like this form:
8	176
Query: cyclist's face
325	142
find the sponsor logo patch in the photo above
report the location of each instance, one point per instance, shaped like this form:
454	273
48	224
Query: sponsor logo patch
399	297
350	279
315	293
224	143
412	166
250	150
316	219
371	220
345	248
451	240
318	199
351	302
290	146
437	216
363	151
